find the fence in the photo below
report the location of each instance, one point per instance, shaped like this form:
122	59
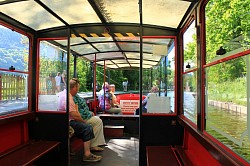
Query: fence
13	86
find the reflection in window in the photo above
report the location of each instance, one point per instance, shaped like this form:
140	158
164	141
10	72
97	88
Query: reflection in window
226	104
190	47
227	83
190	67
189	96
52	75
162	77
14	52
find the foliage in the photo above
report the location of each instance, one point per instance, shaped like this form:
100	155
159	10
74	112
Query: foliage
14	50
229	91
227	25
225	21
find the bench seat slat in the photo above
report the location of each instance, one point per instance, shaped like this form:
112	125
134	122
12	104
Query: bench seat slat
29	153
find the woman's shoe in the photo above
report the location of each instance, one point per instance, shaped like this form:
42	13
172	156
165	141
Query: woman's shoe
96	149
92	158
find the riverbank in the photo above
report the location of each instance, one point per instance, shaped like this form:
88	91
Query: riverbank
228	106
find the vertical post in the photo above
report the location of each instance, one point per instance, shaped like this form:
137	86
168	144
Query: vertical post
94	83
68	90
160	79
151	77
109	76
165	75
141	149
104	80
75	63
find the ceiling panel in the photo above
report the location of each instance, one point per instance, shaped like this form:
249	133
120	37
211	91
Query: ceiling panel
35	17
73	11
164	13
120	11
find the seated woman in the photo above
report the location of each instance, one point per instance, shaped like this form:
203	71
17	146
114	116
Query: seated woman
94	121
154	89
114	100
106	101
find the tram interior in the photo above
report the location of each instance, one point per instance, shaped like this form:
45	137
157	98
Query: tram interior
171	45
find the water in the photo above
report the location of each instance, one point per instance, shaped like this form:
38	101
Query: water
226	126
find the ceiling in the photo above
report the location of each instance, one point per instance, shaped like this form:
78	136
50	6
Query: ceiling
106	29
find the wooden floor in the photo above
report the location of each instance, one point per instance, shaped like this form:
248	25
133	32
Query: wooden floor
119	152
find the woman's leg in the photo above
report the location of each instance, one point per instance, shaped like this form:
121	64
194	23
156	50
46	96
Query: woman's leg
97	125
114	111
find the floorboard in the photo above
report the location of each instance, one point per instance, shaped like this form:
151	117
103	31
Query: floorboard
120	151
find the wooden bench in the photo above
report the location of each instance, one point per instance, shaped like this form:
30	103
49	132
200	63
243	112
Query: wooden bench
28	153
161	156
182	155
130	123
113	131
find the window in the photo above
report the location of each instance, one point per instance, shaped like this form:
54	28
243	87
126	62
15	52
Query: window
190	73
227	72
158	81
14	72
52	67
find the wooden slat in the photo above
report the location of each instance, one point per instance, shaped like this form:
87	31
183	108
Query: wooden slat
28	154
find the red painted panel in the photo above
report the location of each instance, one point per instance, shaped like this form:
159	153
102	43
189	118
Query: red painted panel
129	102
129	97
197	153
12	135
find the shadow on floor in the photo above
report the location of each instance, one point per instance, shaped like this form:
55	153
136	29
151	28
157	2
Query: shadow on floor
119	152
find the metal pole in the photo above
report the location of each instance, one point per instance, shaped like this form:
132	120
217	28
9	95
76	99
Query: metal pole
165	76
94	83
75	63
141	150
67	89
104	79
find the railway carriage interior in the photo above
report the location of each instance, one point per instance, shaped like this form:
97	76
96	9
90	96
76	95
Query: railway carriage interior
196	52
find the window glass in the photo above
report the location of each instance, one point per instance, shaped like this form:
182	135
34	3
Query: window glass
228	74
158	83
189	96
14	51
190	73
190	47
52	72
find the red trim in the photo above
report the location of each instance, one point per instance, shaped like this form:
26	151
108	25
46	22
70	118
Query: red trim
228	58
14	29
175	76
203	60
51	111
189	71
14	114
224	147
191	123
16	71
30	37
